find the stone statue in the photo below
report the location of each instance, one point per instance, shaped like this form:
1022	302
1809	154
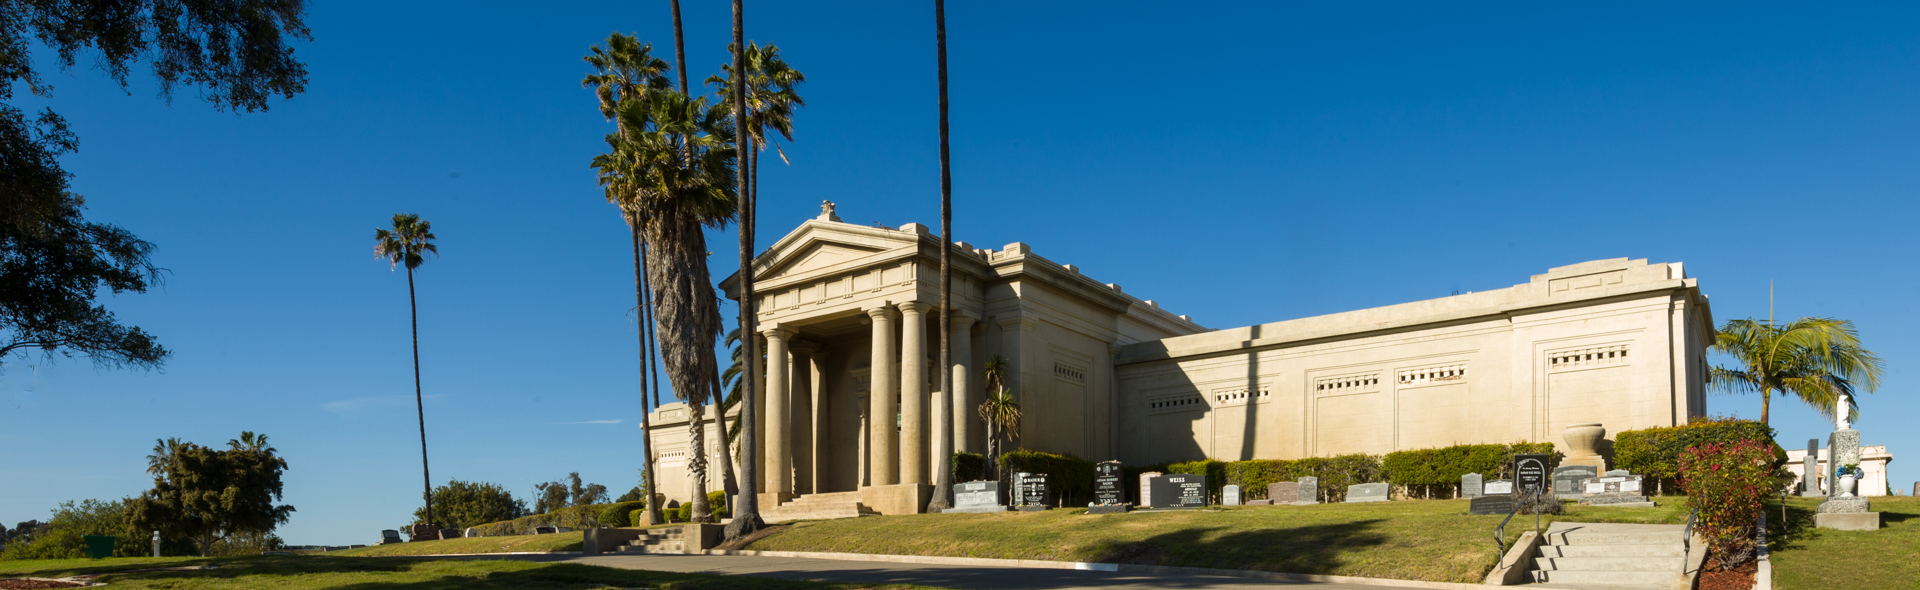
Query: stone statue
1841	417
826	212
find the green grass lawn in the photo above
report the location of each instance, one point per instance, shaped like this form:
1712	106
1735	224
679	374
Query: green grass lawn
1806	558
1432	540
304	572
513	544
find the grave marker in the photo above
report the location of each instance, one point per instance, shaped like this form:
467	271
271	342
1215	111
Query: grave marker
1569	481
1498	505
1283	492
1106	484
977	496
1179	491
1498	487
1309	490
1530	472
1810	471
1146	488
1367	492
1471	486
1230	495
1033	491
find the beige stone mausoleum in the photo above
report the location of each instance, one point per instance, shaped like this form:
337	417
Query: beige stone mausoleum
847	311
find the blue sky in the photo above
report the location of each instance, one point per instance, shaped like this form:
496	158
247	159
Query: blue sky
1239	163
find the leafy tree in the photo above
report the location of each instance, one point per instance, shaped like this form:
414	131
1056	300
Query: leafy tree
554	495
53	262
466	504
1818	360
585	495
408	243
549	497
208	495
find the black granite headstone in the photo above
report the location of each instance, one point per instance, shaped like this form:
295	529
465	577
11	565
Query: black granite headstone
1499	505
1529	472
1033	491
1180	491
1106	484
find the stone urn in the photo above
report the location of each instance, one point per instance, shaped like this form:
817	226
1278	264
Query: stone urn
1583	443
1847	482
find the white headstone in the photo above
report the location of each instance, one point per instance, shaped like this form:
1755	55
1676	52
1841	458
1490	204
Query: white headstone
1230	495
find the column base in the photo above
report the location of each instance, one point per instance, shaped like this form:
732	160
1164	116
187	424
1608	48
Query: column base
774	499
1597	462
906	498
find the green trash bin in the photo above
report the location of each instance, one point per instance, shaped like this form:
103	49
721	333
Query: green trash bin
99	546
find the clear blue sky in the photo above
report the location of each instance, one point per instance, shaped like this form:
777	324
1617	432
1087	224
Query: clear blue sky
1241	164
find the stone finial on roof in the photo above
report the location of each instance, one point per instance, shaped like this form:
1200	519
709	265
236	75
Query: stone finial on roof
826	212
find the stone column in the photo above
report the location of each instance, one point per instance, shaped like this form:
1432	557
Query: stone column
760	417
817	369
963	397
801	412
779	458
913	393
883	463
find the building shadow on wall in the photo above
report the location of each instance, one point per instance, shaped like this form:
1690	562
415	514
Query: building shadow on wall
1316	549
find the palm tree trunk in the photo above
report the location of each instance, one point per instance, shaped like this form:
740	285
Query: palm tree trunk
646	359
426	477
746	516
689	320
943	408
727	480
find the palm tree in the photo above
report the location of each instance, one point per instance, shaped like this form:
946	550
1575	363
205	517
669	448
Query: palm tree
943	411
1818	360
249	441
746	516
680	193
1001	411
771	99
163	450
625	70
408	243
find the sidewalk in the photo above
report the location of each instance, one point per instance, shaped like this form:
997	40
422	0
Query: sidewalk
945	576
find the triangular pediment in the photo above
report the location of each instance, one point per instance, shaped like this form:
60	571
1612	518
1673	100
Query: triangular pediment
821	246
814	256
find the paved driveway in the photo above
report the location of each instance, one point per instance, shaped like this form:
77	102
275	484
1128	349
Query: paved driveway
946	576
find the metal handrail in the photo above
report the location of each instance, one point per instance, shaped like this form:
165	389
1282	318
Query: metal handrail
1686	538
1500	532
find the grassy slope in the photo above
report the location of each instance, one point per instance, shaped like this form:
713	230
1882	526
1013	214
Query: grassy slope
1417	540
366	573
1806	558
519	543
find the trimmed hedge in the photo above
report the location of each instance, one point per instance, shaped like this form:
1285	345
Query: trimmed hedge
1443	467
1069	478
573	517
1654	453
1335	474
620	514
969	467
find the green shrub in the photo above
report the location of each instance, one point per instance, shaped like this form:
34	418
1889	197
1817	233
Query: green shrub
684	513
1726	482
717	502
969	467
637	517
59	537
620	514
1069	478
1216	472
1654	453
1439	470
573	517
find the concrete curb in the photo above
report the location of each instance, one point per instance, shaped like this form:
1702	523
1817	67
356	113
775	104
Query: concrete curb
1101	567
472	554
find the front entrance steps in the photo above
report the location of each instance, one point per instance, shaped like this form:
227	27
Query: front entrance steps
818	507
1603	556
660	540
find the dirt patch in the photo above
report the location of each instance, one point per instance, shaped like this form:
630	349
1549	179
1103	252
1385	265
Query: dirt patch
742	543
1738	578
19	584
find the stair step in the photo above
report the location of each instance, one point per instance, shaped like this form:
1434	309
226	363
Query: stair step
1618	579
1669	565
1609	538
1673	550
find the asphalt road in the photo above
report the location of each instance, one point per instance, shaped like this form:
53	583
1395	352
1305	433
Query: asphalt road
945	576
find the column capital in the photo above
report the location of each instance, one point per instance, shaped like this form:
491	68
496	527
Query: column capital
776	332
913	307
878	311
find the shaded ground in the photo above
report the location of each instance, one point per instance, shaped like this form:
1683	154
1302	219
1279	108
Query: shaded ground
548	542
1806	558
310	572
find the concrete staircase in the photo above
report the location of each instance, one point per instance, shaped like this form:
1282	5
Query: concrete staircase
819	507
1611	556
660	540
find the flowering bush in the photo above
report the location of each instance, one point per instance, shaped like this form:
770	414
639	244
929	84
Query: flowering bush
1726	483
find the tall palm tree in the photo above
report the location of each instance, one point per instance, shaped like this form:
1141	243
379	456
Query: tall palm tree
680	193
771	97
1001	411
625	70
943	409
163	450
746	516
1818	360
408	243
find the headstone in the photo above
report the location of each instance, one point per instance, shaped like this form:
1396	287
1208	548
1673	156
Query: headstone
1230	495
1146	488
449	533
1501	504
471	532
389	536
422	532
1530	472
1810	471
977	496
1033	492
1367	492
545	530
1106	484
1259	502
1179	491
1309	491
1470	485
1569	481
1916	488
1498	487
1283	492
1617	473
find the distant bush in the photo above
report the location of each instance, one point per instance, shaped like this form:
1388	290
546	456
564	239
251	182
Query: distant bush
619	514
1655	452
1726	482
1439	470
461	504
969	467
573	517
717	502
60	537
1069	478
